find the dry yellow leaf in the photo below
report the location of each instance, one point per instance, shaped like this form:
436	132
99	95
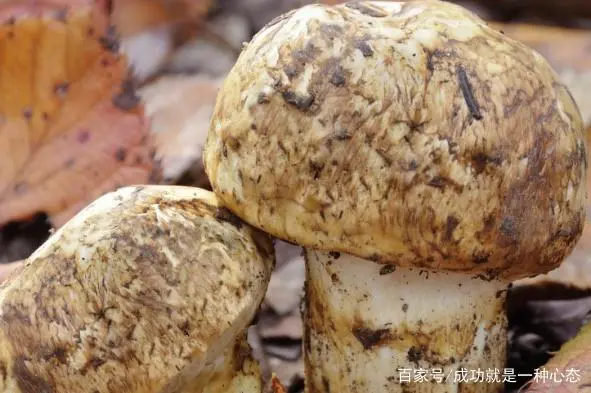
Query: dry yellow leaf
71	127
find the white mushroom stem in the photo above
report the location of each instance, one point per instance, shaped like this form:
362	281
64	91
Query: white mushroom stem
371	327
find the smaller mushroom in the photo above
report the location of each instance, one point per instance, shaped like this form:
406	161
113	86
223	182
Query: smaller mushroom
148	289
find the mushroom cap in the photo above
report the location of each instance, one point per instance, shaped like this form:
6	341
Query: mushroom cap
406	133
139	292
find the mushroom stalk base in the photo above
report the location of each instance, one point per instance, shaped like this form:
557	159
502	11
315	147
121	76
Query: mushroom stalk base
372	328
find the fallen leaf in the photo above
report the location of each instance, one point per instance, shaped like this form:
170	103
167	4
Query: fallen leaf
135	16
148	51
71	128
276	386
180	108
208	48
570	368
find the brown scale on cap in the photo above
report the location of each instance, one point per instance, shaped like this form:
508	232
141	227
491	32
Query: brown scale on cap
407	133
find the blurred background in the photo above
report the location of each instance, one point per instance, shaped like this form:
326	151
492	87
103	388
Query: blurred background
180	52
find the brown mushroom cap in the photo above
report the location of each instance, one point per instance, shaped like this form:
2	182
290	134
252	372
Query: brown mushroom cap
407	133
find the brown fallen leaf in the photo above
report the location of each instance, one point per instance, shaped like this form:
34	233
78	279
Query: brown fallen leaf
179	108
567	50
209	48
148	52
135	16
569	371
71	128
276	386
557	10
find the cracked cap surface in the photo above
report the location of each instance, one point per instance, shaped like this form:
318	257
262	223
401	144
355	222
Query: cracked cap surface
407	133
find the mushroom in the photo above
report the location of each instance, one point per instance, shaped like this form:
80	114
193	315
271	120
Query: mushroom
423	160
236	371
148	289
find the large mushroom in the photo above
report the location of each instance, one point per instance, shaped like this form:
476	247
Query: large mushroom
149	289
424	160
